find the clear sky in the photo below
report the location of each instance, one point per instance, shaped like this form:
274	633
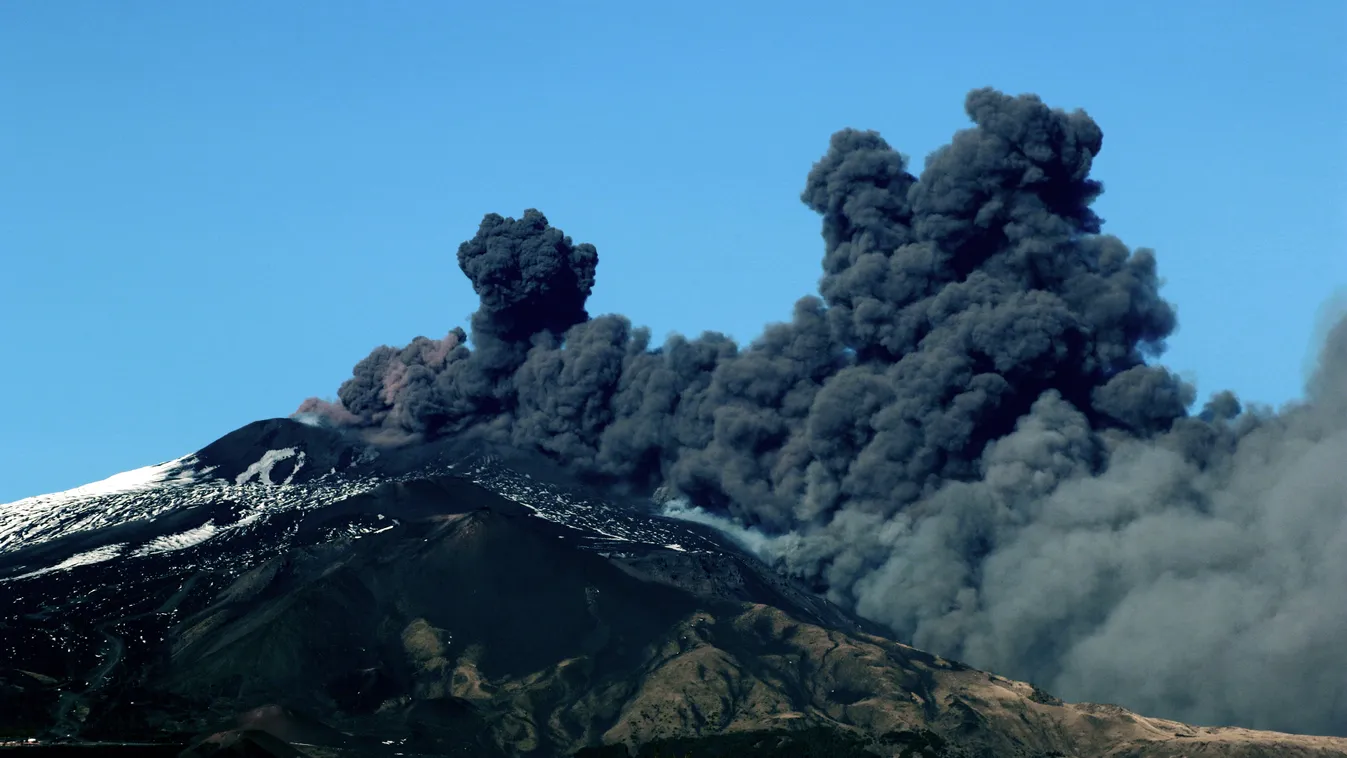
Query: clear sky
209	211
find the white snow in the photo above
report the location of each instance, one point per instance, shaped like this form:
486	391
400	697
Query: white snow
128	481
178	541
356	532
36	519
261	470
97	555
609	535
153	491
601	521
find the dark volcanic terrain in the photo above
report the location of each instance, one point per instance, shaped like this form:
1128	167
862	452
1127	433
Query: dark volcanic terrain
290	591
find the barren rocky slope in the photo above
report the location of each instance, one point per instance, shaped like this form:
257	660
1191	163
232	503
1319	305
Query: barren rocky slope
435	604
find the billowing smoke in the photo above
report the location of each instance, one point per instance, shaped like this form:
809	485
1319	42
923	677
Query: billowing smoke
961	438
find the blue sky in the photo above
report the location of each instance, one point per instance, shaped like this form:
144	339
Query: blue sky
209	211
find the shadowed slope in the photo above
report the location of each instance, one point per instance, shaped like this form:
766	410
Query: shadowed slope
423	602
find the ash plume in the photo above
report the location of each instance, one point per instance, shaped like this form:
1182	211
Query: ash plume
963	436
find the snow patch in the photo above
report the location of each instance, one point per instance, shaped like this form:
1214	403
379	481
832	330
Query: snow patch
261	470
97	555
356	532
178	541
602	522
609	535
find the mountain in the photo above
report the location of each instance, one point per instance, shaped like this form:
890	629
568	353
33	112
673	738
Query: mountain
290	590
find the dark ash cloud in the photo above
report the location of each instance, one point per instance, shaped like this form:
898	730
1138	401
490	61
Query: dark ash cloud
963	436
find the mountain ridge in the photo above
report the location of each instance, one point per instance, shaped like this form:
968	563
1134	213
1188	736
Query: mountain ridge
432	598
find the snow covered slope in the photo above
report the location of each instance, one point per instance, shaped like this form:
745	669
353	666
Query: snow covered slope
280	466
99	585
115	499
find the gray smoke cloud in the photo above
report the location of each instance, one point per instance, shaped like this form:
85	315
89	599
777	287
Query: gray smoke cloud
963	437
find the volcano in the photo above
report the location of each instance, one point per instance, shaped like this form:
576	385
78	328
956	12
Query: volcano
292	590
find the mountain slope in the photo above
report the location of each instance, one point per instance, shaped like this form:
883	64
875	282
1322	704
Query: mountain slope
289	581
